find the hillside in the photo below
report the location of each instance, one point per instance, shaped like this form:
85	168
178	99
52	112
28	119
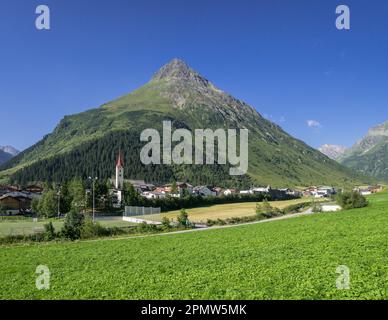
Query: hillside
289	259
370	154
87	143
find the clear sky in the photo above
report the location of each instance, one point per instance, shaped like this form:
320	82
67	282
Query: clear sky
285	58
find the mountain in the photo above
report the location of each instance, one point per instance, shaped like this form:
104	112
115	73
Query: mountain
370	154
333	151
87	143
7	153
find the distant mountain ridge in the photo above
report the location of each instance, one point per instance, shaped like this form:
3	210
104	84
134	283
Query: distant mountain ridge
370	154
87	143
333	151
6	153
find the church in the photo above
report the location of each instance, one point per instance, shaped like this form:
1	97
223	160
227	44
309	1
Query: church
117	193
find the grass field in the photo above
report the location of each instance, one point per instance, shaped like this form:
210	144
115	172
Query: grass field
26	227
224	211
289	259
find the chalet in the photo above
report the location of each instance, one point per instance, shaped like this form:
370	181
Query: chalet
34	189
4	189
16	202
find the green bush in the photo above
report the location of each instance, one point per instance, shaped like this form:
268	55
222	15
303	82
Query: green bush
73	225
92	229
166	223
49	232
351	200
183	219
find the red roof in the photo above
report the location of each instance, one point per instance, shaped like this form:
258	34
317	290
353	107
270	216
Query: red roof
119	162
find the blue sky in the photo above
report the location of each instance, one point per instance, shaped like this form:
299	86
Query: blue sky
285	58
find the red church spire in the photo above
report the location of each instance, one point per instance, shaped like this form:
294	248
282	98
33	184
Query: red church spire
120	162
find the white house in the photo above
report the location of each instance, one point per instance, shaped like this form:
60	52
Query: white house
228	192
153	195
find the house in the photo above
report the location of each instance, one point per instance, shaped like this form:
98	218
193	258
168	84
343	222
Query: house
228	192
184	188
246	192
204	191
34	189
218	190
261	190
153	195
17	202
141	186
7	189
319	192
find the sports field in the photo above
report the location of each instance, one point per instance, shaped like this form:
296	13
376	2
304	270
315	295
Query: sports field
224	211
295	258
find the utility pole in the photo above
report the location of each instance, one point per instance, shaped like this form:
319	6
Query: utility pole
59	201
93	192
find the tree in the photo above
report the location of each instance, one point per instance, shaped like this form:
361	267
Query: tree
73	225
77	195
174	188
49	231
351	200
183	219
131	197
48	204
34	205
65	199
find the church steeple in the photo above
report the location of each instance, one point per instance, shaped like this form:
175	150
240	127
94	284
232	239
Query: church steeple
119	162
119	183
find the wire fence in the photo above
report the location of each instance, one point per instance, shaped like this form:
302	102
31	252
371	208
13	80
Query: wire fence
140	211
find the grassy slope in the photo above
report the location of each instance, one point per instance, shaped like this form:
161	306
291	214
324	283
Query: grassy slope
290	259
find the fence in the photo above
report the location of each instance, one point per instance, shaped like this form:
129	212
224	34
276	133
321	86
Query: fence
140	211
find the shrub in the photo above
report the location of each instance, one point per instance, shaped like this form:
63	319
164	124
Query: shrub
351	200
49	232
144	228
73	225
264	210
92	229
166	223
183	219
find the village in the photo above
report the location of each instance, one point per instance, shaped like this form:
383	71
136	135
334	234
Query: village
16	200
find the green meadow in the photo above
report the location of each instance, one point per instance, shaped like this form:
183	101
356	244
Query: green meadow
295	258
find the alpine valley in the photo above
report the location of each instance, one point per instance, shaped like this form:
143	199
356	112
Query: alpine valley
87	143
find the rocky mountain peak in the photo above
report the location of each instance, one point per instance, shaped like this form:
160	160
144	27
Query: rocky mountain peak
9	149
333	151
177	69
